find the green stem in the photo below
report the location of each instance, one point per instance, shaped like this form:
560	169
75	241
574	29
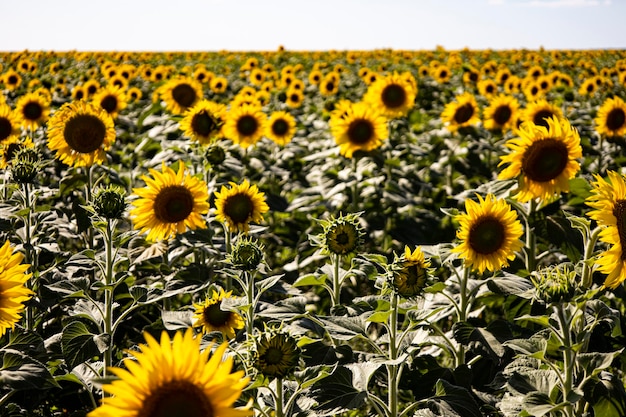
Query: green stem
586	278
249	279
227	247
531	240
355	187
568	355
108	297
336	294
28	253
392	368
462	312
279	397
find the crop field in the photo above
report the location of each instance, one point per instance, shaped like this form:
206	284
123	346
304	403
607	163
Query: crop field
313	233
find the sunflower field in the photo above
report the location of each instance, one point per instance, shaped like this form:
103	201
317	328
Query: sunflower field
297	233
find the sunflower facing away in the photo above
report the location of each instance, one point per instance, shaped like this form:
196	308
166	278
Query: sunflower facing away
501	114
174	378
280	127
608	200
409	273
170	203
245	125
239	205
611	118
13	292
80	133
543	159
489	233
460	113
211	318
33	110
362	128
203	122
393	95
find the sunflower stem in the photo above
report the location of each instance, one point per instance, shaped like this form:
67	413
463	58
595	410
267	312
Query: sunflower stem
279	397
227	247
88	192
249	279
108	298
355	187
392	368
462	312
531	239
336	294
29	205
568	355
586	278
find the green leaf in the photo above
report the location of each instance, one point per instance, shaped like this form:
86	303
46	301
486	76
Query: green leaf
22	372
465	333
268	283
310	279
78	344
538	404
175	320
336	394
510	284
379	316
458	399
344	328
531	346
593	363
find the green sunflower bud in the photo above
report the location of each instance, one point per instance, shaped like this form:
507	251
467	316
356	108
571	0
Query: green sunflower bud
343	235
554	284
246	254
109	202
215	154
25	165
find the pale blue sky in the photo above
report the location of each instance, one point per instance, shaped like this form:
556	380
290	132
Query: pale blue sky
209	25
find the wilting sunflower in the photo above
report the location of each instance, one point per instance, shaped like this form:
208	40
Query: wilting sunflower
539	111
112	99
462	112
280	127
501	114
203	122
543	159
608	200
362	128
211	318
489	233
245	125
393	95
409	273
239	205
170	203
33	110
174	377
276	355
180	94
13	292
80	133
9	123
611	118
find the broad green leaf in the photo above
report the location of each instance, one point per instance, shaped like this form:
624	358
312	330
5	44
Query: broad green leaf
379	316
336	394
448	396
78	344
465	333
176	320
310	279
22	372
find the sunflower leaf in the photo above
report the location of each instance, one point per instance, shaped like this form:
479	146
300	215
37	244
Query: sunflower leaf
78	344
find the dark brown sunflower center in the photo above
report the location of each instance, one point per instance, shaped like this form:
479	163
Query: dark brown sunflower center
330	86
463	113
215	316
109	103
273	355
12	79
487	235
294	98
184	95
80	94
591	88
416	276
489	89
178	398
32	111
5	128
239	208
280	127
360	131
247	125
619	211
615	119
84	133
173	204
540	118
502	115
92	89
473	76
394	96
545	160
203	123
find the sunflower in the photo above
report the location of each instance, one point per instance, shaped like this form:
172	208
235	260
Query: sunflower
203	122
392	94
462	112
543	159
343	235
295	98
174	377
588	87
80	133
134	94
315	77
211	318
611	118
608	200
180	94
409	273
276	355
501	114
218	85
280	127
539	111
112	99
13	292
245	125
239	205
9	123
11	79
171	203
441	73
79	92
487	88
362	128
489	233
33	110
329	86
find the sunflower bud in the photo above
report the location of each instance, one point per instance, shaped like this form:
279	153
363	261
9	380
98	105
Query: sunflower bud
409	274
554	284
343	235
25	165
215	154
276	355
246	254
109	202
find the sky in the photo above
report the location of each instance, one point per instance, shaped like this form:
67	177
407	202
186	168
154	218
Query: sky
256	25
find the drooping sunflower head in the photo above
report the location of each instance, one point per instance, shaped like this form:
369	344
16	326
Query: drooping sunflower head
409	273
13	291
240	205
80	133
245	125
180	94
539	111
362	128
489	234
110	98
9	123
343	235
393	95
203	122
542	159
611	118
502	113
277	355
170	203
461	113
173	377
246	254
211	317
280	127
33	109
